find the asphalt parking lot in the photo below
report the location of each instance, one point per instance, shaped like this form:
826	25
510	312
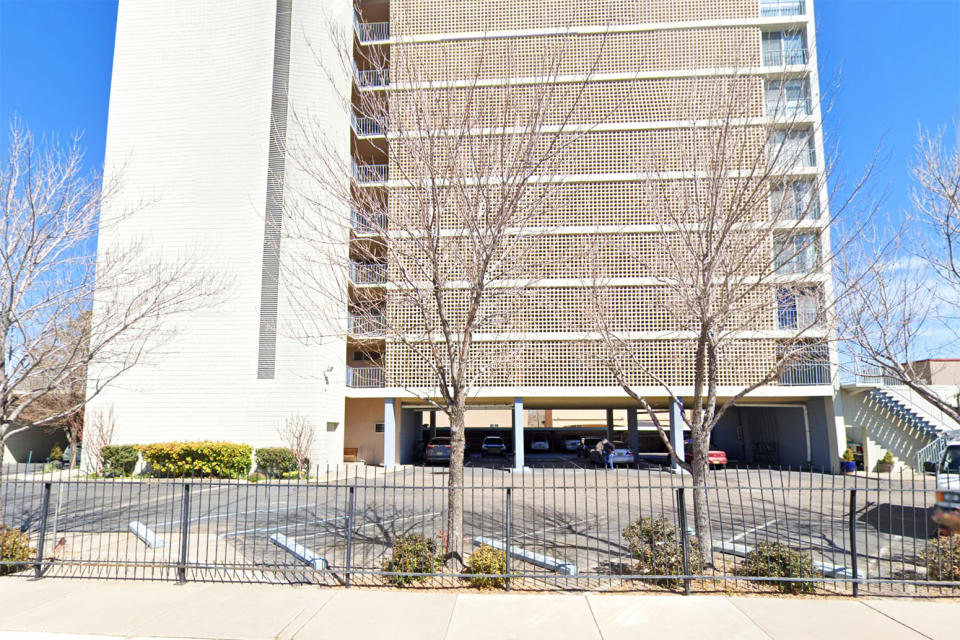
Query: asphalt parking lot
562	511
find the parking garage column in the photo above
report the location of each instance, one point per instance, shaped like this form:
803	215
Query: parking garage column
633	434
518	434
676	433
389	433
610	425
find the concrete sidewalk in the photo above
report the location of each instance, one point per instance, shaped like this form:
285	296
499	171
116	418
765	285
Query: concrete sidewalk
100	609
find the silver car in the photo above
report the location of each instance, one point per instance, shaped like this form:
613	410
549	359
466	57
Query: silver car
621	455
438	450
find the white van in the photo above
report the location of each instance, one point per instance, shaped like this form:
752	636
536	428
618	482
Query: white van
947	511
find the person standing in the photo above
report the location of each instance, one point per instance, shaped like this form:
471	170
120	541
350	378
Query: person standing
607	449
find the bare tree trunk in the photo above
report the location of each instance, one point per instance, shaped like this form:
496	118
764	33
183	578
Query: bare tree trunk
699	467
455	484
72	442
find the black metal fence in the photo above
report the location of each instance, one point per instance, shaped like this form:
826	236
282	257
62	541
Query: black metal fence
563	528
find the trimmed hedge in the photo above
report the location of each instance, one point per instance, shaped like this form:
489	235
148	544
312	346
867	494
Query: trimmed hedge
775	560
14	547
413	553
205	458
657	544
487	564
942	558
275	461
119	459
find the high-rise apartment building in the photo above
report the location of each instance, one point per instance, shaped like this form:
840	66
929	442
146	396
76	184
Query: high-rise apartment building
206	100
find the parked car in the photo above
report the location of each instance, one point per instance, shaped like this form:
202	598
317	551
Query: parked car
66	454
588	445
621	455
493	446
946	513
540	444
571	444
438	450
715	457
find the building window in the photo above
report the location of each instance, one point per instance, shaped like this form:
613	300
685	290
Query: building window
332	426
790	97
798	309
791	149
773	8
794	200
795	252
784	48
378	427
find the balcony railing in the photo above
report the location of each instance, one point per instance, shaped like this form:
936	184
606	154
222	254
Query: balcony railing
368	224
796	107
368	173
791	318
367	127
772	8
779	58
368	273
796	374
872	374
365	377
369	32
366	326
373	77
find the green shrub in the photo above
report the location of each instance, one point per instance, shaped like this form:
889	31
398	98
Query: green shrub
56	454
14	547
119	459
780	561
848	455
256	477
658	546
942	558
275	461
487	561
887	458
217	459
413	553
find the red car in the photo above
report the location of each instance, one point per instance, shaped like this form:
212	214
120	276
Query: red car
715	457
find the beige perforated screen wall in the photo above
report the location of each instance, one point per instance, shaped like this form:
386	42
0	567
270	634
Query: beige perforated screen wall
657	71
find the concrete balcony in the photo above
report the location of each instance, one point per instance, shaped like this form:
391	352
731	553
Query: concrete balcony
365	377
368	224
367	274
373	78
367	127
373	32
775	8
371	173
366	326
800	374
780	58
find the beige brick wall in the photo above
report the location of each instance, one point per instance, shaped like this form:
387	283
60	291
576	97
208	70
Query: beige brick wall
412	17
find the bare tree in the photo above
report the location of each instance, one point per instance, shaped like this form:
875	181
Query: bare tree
738	257
904	294
74	315
99	434
297	433
448	190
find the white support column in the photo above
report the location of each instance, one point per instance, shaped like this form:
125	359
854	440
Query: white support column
389	433
676	433
633	434
518	434
610	425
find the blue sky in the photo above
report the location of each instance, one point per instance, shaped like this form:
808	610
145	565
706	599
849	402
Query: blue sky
897	64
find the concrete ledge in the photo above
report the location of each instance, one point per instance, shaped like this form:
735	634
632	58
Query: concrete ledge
532	557
148	537
299	552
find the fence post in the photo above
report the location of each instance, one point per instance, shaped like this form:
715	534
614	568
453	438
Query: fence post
685	544
350	507
44	510
507	522
853	541
184	531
